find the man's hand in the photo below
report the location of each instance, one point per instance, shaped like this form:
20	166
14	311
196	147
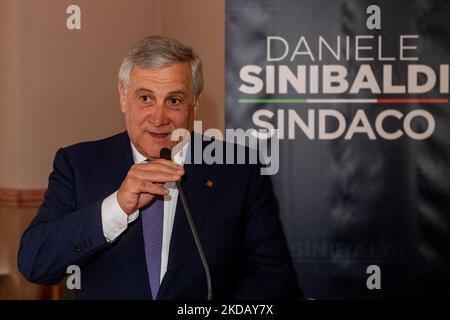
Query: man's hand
144	181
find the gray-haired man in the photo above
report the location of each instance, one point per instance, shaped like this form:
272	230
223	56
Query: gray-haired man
111	205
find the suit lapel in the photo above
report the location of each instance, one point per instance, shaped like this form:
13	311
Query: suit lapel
118	158
199	193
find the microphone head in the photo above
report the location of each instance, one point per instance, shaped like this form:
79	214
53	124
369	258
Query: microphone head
165	153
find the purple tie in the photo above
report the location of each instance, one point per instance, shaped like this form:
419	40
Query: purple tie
152	226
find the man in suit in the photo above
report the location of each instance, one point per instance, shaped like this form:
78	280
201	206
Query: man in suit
112	207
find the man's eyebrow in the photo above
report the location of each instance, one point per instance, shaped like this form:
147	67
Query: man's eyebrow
177	92
139	90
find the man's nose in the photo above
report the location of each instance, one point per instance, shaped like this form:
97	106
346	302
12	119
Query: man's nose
158	115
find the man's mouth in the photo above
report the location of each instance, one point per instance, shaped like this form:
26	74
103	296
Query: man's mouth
158	135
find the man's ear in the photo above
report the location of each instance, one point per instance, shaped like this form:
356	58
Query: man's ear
197	103
122	97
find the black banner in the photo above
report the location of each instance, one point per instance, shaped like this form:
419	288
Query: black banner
358	91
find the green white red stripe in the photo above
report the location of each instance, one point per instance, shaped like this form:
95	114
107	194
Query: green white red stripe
336	101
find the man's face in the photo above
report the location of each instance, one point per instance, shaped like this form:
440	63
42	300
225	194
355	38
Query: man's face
158	101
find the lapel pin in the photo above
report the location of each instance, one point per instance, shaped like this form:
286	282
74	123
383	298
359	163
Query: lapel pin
209	183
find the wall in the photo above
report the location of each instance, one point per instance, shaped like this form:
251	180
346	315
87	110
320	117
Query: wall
9	111
66	80
201	24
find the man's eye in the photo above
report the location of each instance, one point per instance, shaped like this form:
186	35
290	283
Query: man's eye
145	99
175	101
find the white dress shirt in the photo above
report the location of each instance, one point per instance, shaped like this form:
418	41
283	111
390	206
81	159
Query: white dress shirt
115	220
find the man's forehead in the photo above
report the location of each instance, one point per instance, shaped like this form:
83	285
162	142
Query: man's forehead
179	69
177	76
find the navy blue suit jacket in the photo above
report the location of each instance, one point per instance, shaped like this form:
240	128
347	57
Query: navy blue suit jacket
236	219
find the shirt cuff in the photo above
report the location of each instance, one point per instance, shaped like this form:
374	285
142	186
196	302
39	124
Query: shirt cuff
114	219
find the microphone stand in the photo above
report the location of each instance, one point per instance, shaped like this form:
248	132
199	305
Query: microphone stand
165	153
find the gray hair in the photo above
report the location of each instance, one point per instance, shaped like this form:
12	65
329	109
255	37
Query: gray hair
159	52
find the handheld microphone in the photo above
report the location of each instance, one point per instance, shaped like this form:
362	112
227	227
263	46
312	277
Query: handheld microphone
165	153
